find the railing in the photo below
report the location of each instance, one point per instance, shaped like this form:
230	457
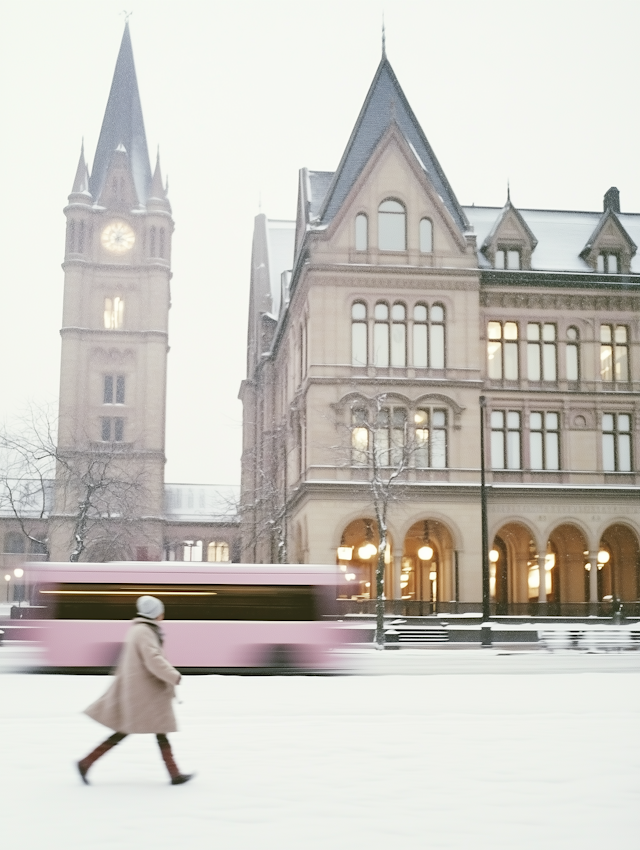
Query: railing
420	608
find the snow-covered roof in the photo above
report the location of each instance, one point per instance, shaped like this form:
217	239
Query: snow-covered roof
561	235
201	502
281	245
319	182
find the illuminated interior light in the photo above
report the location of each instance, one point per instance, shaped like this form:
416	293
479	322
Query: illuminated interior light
603	556
129	592
433	576
18	572
367	551
494	555
425	553
345	553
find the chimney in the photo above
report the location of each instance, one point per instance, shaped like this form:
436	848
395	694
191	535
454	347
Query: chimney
612	200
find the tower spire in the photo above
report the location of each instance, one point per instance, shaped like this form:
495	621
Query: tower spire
384	39
123	125
81	180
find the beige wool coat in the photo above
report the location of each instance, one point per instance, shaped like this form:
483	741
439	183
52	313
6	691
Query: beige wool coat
140	696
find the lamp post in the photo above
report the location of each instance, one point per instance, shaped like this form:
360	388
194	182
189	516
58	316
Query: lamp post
486	589
7	578
18	573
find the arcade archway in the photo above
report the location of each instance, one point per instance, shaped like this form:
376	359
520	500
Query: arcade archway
427	562
357	559
619	565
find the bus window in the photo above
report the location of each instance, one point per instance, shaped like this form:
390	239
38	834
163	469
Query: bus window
88	601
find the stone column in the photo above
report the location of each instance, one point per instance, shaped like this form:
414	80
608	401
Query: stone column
593	578
542	574
396	567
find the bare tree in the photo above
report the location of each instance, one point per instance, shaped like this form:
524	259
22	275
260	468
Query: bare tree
97	494
383	444
27	470
265	506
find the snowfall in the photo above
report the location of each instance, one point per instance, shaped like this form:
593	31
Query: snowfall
409	749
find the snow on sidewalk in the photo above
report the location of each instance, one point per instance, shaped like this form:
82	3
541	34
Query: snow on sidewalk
411	761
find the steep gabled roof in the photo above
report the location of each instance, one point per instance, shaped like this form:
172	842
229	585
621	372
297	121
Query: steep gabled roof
386	102
123	125
507	210
608	215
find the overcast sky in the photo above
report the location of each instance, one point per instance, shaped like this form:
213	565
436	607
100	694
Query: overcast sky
239	96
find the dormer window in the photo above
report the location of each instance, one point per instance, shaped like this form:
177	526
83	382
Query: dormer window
392	226
508	258
608	263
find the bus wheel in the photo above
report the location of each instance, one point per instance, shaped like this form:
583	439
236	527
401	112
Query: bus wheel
279	657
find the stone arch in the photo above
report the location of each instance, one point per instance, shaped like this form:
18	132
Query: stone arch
587	532
567	554
359	569
514	570
619	577
431	578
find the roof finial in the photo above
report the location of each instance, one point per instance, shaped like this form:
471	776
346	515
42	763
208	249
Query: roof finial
508	191
384	40
127	15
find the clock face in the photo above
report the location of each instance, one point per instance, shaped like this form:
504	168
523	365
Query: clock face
118	237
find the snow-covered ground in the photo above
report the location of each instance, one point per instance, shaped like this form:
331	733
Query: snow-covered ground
488	751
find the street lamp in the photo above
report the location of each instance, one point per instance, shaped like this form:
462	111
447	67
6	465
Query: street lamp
486	585
7	578
18	573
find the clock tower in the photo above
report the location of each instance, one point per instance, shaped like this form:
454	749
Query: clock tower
117	271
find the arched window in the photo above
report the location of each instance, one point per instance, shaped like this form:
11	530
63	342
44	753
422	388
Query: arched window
113	313
436	334
152	242
14	543
572	354
358	334
192	550
426	236
392	226
362	232
161	239
398	335
381	335
218	552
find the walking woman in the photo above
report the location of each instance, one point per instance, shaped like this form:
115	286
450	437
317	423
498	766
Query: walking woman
139	698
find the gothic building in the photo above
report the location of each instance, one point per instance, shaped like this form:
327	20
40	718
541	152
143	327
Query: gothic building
377	321
110	500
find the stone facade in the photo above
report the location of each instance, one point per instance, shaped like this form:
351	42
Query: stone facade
379	317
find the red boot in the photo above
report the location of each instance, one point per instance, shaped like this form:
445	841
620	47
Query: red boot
177	778
84	764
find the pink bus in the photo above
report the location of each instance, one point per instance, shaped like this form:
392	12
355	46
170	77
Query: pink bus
218	617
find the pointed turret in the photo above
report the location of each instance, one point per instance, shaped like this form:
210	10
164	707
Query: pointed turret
123	125
157	192
81	180
385	104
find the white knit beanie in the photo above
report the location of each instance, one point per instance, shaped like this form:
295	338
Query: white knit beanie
149	607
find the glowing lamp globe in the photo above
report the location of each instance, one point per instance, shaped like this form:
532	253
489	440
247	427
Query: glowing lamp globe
425	553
